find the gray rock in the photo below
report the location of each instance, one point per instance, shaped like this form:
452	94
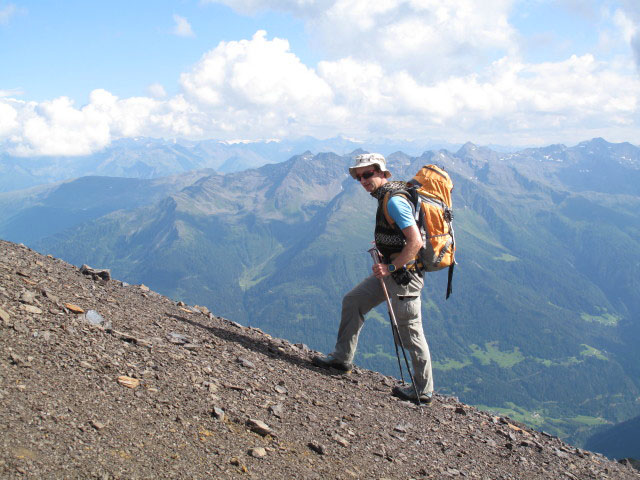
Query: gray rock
218	413
400	428
32	309
94	318
177	338
258	452
28	297
259	427
246	363
341	440
276	410
317	447
104	273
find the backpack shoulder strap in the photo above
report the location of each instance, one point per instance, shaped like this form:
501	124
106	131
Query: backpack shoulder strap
385	204
385	209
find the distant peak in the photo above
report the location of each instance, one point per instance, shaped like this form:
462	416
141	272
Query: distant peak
597	141
471	149
357	151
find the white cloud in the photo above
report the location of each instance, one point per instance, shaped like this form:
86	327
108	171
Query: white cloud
182	27
8	119
57	128
7	12
258	88
298	7
10	93
156	90
625	25
627	19
429	38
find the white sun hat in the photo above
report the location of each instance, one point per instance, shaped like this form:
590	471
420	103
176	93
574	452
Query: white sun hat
367	159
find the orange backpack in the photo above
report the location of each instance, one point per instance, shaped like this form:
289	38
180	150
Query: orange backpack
429	193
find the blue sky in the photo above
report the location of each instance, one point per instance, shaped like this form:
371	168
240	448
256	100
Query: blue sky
76	75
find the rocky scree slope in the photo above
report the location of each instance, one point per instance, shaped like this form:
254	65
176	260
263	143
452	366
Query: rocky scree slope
100	379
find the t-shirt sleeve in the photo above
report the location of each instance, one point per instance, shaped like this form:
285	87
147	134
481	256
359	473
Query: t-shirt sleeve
401	212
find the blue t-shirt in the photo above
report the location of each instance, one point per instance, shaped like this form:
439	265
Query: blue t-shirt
401	212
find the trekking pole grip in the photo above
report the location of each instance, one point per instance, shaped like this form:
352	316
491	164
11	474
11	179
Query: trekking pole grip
375	255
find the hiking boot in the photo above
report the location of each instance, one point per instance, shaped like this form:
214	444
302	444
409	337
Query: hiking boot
330	362
408	393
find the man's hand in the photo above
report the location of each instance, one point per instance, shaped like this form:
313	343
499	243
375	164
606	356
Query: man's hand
381	270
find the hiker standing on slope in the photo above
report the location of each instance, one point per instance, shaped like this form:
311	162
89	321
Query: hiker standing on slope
399	247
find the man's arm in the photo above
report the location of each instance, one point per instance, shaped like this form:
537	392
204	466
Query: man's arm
408	253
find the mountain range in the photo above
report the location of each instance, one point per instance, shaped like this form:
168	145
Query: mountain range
149	158
543	324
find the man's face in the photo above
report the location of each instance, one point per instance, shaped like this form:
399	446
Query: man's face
374	181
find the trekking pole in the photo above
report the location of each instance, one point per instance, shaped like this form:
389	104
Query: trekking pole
394	327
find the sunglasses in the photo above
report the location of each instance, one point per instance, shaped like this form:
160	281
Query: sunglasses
366	175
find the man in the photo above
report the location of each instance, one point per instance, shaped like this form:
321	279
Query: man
398	246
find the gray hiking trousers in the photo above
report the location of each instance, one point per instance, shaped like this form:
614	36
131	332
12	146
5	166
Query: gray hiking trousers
405	301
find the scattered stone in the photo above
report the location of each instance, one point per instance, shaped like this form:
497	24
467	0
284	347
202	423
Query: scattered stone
259	427
104	273
204	310
20	361
317	447
128	382
143	287
238	388
144	342
50	296
218	413
400	428
258	452
341	440
559	453
124	336
177	338
276	410
31	309
98	425
245	363
73	308
281	389
94	318
4	316
28	297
